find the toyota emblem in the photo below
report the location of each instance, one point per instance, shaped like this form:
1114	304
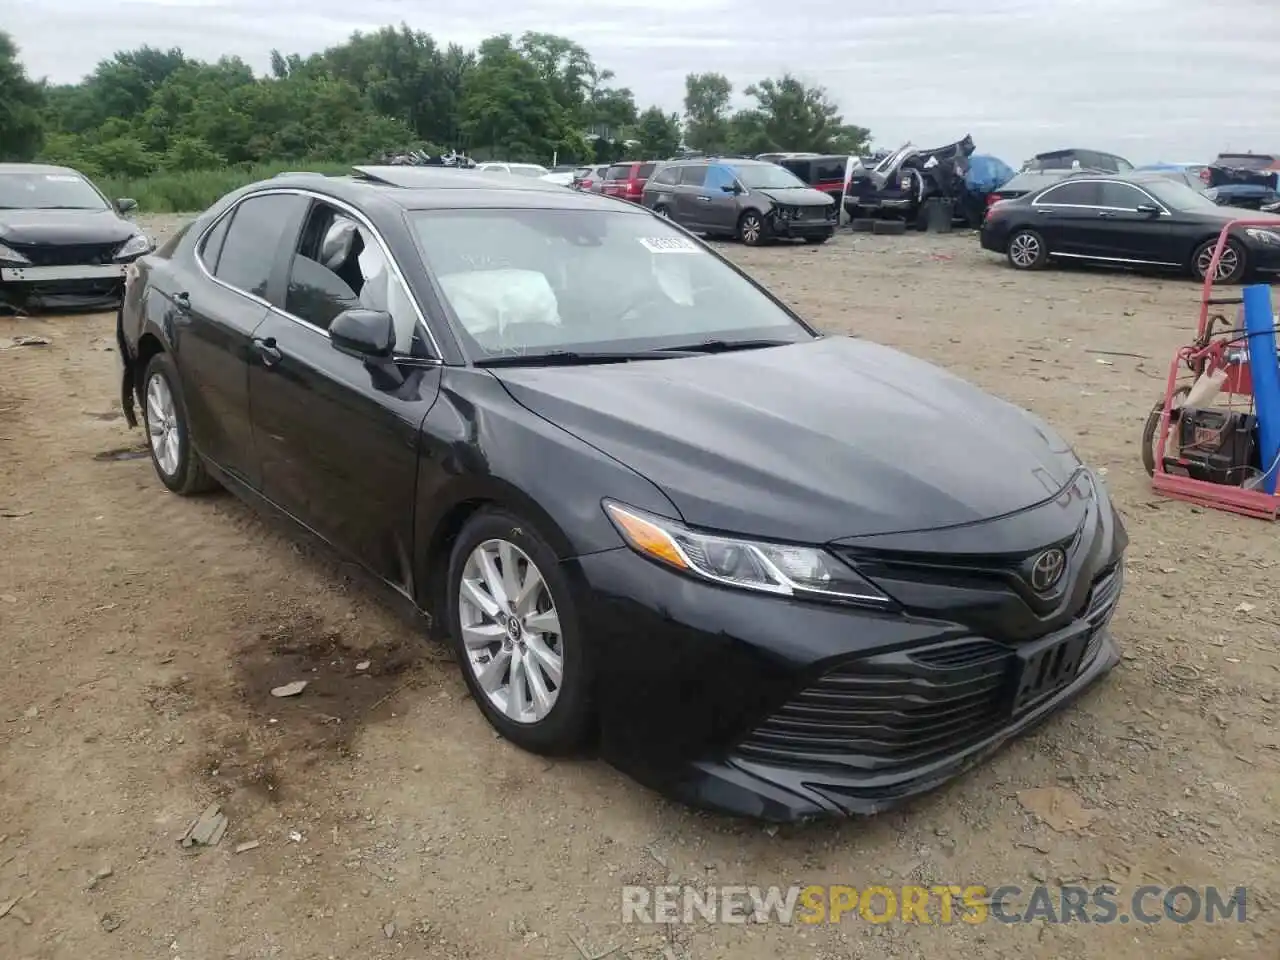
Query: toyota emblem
1046	570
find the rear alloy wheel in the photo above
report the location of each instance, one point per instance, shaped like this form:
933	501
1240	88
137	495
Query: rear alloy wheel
168	435
1231	266
751	230
514	629
1027	250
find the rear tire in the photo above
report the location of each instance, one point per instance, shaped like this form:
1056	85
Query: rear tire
1026	250
164	413
1231	268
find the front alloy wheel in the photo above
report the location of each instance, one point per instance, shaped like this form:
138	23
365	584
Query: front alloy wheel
162	425
511	631
751	229
514	628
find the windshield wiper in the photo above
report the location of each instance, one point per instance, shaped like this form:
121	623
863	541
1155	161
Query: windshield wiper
572	358
723	346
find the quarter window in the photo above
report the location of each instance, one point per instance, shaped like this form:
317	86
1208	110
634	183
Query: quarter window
211	246
253	239
1076	194
667	176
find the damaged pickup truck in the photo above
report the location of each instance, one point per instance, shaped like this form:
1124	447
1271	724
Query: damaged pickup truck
899	185
63	245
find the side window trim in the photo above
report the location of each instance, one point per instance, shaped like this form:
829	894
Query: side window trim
356	215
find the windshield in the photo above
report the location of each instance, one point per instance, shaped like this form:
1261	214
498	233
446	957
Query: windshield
530	171
767	176
534	281
48	191
1179	196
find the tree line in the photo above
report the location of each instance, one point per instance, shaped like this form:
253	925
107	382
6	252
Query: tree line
531	98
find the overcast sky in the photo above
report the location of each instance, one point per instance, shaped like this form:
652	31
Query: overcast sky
1173	80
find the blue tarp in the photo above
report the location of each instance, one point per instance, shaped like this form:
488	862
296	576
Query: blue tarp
987	173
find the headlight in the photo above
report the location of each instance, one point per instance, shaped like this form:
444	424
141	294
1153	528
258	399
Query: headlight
11	255
135	246
1263	236
779	568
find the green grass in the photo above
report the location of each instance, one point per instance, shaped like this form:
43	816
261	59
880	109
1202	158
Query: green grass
190	190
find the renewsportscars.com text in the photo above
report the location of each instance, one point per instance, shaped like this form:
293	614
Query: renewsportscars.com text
940	904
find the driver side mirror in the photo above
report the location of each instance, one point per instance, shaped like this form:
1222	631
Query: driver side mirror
731	187
125	204
368	334
1149	209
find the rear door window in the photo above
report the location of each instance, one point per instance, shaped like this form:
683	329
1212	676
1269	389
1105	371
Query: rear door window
250	250
1074	194
645	171
618	172
832	169
693	175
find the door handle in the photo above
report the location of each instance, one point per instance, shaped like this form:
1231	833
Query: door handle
1105	214
268	351
182	301
705	199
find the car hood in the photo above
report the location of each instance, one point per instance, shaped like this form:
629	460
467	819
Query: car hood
64	226
811	442
797	196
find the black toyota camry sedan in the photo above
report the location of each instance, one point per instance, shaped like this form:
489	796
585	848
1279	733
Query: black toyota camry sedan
1140	219
63	245
770	572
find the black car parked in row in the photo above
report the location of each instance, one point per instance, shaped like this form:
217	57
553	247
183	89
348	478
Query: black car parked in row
777	573
753	200
63	245
1138	220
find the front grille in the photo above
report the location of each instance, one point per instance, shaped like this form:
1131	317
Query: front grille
905	708
892	709
67	254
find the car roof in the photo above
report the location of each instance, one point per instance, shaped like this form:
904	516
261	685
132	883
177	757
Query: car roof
427	188
36	168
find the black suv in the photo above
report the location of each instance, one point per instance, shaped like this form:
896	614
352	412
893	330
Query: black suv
752	200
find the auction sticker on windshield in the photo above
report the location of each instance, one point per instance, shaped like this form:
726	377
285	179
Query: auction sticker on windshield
668	244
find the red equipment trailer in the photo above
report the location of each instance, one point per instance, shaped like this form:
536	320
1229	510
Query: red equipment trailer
1220	349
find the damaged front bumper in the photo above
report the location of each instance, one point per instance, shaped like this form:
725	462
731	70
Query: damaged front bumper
70	287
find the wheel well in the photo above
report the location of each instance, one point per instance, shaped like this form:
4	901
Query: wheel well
148	347
437	558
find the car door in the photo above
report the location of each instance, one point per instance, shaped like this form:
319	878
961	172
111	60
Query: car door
214	320
720	204
338	436
690	204
1122	231
1065	215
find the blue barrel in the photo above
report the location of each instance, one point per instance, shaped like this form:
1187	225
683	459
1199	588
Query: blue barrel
1260	326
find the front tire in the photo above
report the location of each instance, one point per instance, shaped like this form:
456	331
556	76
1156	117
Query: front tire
1027	250
164	412
1232	266
751	229
514	628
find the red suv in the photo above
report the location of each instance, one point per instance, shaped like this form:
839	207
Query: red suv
626	180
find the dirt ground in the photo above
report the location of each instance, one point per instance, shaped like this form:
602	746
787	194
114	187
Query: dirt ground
143	633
